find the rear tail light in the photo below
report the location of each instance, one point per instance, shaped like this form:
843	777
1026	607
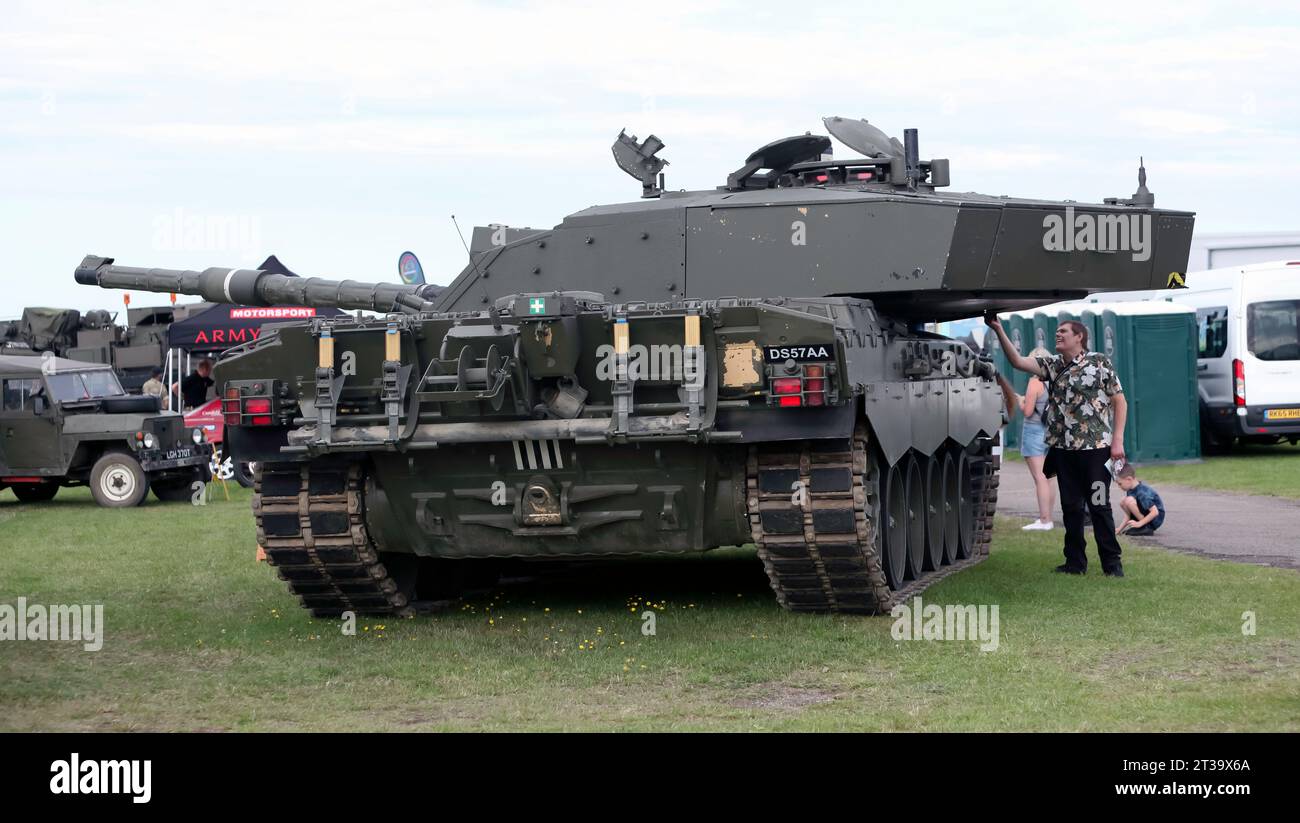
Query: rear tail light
230	407
1239	383
259	410
806	390
814	385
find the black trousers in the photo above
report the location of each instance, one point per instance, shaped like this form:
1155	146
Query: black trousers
1084	481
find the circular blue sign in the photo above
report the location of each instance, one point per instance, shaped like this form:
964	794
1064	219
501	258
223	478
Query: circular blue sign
408	268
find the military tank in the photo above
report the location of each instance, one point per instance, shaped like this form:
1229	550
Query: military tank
747	364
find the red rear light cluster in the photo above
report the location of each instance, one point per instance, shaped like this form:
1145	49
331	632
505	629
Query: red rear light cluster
787	391
808	390
230	409
1239	382
814	385
252	411
258	409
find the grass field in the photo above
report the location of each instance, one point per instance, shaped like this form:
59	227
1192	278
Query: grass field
201	637
1268	470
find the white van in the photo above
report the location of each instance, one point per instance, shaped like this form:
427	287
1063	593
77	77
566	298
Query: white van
1248	358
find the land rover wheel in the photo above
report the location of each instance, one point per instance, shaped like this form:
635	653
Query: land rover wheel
117	481
35	492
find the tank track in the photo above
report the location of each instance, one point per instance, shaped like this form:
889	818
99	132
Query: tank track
311	524
826	556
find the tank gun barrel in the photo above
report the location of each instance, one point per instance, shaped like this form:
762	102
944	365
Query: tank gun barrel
254	287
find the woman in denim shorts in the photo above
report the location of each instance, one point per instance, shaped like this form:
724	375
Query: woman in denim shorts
1032	447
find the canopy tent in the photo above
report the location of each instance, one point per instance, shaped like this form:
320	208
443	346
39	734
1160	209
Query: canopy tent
224	326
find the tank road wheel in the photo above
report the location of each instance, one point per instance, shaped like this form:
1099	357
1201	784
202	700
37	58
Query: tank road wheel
828	550
35	492
915	518
895	523
965	508
951	510
117	481
934	513
311	523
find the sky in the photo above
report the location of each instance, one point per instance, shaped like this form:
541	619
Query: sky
338	135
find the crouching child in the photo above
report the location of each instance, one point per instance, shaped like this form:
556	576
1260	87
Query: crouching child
1144	511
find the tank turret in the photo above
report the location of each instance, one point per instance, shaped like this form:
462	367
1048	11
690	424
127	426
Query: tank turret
255	287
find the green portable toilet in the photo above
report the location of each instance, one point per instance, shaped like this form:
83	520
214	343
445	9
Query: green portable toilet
1019	328
1000	361
1042	329
1014	326
1070	311
1153	347
1080	312
1092	320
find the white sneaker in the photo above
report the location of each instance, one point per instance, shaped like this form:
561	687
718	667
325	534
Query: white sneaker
1038	526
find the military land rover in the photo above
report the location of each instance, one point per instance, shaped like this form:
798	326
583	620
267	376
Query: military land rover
68	423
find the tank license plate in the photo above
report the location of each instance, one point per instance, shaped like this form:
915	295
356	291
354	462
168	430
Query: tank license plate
801	354
1282	414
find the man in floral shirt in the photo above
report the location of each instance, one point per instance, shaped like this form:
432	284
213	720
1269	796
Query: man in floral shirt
1085	417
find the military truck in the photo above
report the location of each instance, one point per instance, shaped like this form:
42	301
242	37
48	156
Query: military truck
69	423
133	350
696	369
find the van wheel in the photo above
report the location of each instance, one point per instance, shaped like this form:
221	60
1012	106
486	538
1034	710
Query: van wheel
244	474
117	481
1211	441
35	492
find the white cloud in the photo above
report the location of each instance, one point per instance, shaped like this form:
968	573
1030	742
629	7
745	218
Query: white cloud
348	127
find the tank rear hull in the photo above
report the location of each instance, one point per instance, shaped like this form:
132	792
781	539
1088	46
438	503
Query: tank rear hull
673	498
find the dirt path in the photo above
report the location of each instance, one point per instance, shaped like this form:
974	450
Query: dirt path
1247	528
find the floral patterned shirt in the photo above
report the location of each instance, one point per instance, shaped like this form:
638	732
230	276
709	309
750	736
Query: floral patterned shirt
1079	414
